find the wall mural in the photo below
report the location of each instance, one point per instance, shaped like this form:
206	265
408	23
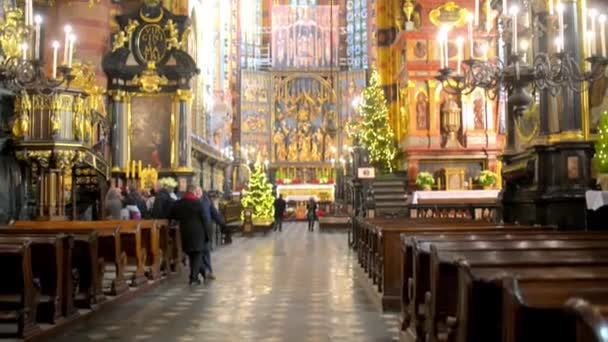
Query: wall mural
220	121
150	118
303	36
304	125
255	111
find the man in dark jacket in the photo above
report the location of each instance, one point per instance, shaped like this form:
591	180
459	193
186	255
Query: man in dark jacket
210	213
195	237
162	204
138	201
279	211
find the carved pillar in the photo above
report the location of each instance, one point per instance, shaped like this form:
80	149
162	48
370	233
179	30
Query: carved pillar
182	101
542	44
120	129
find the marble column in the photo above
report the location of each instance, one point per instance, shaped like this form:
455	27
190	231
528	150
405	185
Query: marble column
183	99
120	129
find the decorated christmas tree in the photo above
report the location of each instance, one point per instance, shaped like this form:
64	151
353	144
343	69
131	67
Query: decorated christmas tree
374	130
259	193
601	145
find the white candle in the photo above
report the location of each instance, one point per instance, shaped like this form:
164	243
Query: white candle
514	12
476	13
590	36
524	48
470	32
560	12
485	48
28	12
445	49
38	21
24	51
558	44
504	7
55	49
460	43
603	34
71	51
440	43
68	30
488	16
551	10
592	16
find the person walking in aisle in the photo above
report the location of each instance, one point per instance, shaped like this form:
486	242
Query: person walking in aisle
210	213
188	211
279	211
311	213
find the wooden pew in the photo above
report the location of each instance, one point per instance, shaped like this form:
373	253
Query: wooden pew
533	307
85	267
19	291
170	241
590	320
408	241
444	276
51	265
385	262
109	246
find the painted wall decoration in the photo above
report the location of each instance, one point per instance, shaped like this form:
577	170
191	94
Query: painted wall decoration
255	112
150	122
220	121
304	125
303	36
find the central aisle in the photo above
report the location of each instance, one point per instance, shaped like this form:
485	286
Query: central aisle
286	286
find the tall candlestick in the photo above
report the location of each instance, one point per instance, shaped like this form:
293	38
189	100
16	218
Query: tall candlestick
514	12
66	47
460	43
24	51
560	14
71	50
470	32
55	48
38	21
603	34
593	15
476	13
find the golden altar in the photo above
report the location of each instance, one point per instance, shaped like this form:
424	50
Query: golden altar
302	192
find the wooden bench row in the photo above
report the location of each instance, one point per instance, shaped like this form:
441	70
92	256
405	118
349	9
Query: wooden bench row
58	266
503	286
378	249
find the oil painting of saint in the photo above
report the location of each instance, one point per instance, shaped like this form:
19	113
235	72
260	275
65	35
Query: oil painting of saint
422	111
150	122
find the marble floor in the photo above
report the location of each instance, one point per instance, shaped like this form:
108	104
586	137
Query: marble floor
286	286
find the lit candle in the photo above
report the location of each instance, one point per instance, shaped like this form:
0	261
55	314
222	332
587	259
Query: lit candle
488	16
55	48
560	12
551	10
592	47
440	43
504	7
524	48
603	34
485	48
24	51
71	50
28	12
460	43
514	12
590	36
66	47
476	13
558	44
470	32
38	21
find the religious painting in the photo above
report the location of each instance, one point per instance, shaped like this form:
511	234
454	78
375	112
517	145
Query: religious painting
305	119
303	36
479	110
573	167
255	113
220	122
417	50
151	130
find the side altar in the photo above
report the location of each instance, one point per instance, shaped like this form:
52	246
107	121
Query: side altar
302	192
149	82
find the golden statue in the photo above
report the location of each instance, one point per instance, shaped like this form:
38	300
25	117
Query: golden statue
305	148
293	152
120	39
279	141
77	120
314	152
87	127
21	125
172	40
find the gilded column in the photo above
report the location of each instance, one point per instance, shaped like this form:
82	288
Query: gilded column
183	99
119	109
387	63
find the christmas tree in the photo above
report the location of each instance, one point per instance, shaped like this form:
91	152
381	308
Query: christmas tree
374	130
601	145
259	193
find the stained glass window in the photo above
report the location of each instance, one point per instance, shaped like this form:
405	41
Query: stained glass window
356	34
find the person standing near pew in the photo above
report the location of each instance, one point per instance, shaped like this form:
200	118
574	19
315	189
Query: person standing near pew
311	213
162	202
210	213
188	211
113	203
279	211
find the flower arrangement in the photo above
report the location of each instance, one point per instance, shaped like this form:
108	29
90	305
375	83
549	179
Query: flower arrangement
168	182
331	181
316	181
487	178
425	180
295	181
